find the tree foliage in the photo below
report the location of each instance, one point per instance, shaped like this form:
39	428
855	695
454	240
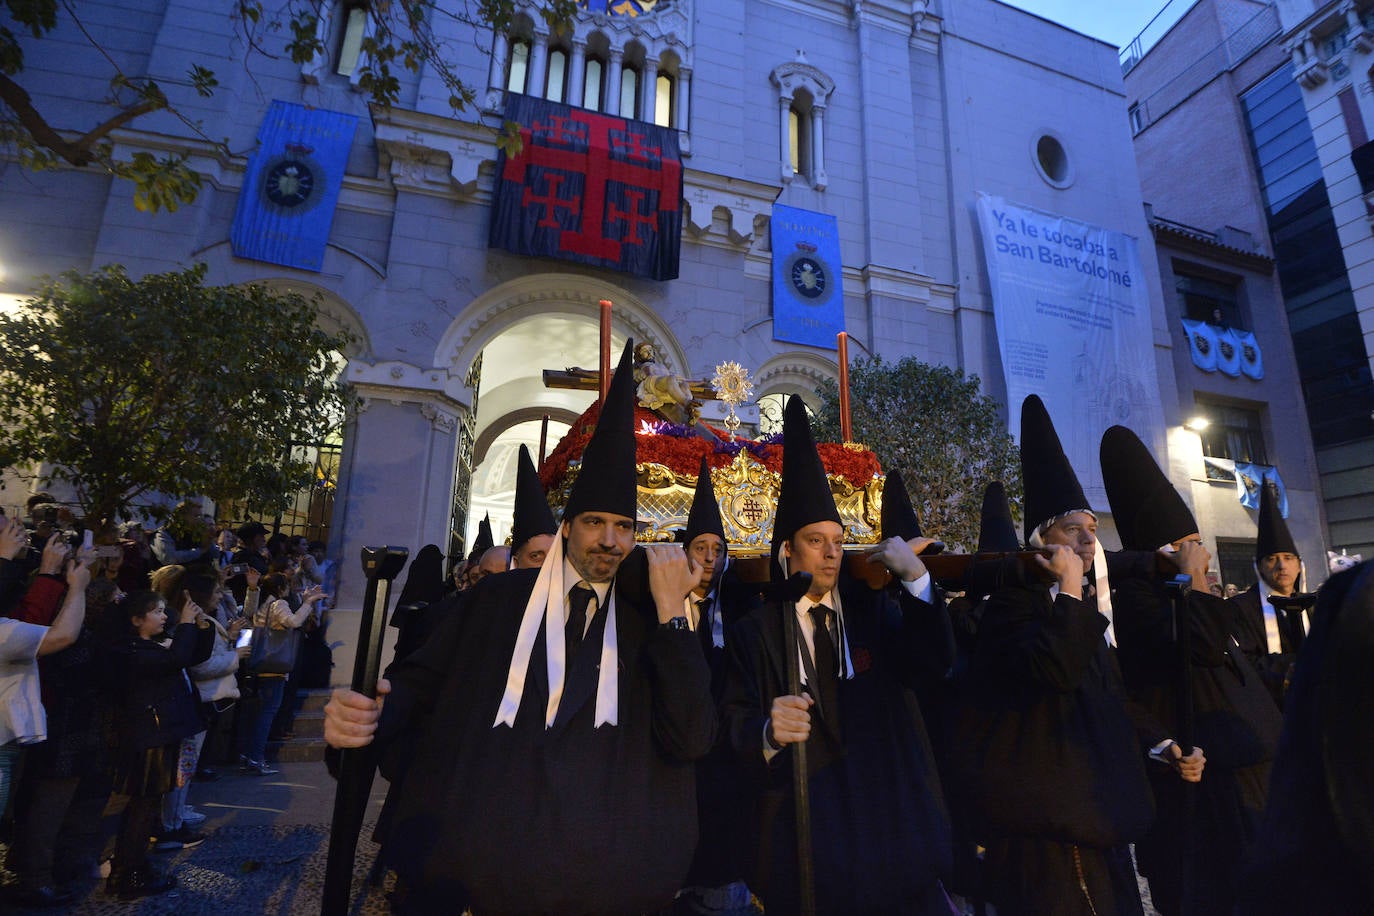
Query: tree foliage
164	385
401	36
934	425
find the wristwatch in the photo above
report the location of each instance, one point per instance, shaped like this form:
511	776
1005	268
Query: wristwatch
676	623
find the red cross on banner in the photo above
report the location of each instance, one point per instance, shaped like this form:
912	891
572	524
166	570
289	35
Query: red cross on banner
591	188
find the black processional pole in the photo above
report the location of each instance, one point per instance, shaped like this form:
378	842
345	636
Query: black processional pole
1178	587
356	765
797	585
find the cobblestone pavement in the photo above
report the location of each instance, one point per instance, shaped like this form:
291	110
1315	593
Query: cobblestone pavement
266	843
267	839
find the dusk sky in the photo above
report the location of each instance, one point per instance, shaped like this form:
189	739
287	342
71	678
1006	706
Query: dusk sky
1115	21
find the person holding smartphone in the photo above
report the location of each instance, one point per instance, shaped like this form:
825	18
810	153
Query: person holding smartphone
276	614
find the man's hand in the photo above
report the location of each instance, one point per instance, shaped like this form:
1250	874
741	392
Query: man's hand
672	574
1188	768
14	537
789	722
1192	559
901	557
1066	566
54	555
350	719
253	577
189	611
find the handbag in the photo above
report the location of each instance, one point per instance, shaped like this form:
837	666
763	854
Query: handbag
273	651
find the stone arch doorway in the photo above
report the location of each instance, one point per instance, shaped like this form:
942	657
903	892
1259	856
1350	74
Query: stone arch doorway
542	321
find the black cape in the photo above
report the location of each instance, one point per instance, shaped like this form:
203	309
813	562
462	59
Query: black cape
564	820
880	833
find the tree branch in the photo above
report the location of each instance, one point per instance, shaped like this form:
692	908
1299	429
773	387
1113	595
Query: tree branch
77	152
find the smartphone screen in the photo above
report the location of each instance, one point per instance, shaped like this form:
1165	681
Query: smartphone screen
86	540
245	638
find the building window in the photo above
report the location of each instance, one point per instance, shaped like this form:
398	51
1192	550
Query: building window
1236	561
629	92
519	65
351	37
798	141
1232	432
591	86
1215	300
556	85
803	94
1052	160
663	100
1137	119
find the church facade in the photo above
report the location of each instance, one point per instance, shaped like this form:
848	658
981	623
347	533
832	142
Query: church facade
886	119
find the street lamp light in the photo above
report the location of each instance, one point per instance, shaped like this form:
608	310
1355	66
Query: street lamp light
1197	424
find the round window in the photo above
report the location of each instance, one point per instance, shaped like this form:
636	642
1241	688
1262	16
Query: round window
1052	161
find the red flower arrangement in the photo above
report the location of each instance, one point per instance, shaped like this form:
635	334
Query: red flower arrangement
682	453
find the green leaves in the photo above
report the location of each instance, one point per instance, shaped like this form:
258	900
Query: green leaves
164	384
934	424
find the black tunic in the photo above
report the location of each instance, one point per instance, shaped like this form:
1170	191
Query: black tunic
880	835
564	820
1274	667
1236	724
1048	755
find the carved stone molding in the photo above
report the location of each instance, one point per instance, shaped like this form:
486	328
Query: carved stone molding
743	205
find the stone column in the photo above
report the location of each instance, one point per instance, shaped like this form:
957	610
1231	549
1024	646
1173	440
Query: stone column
577	77
684	94
539	64
819	179
500	51
612	105
648	91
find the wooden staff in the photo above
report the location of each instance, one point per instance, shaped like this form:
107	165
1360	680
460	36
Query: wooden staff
543	439
842	340
798	584
605	348
357	765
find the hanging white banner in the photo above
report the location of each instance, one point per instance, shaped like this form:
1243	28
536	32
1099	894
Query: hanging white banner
1073	325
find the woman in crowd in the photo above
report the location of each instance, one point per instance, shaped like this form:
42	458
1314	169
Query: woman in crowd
274	614
158	710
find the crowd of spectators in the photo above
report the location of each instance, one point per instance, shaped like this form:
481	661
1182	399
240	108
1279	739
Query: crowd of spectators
128	669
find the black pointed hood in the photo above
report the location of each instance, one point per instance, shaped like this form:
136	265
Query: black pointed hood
1052	487
996	529
532	513
1148	511
804	496
1273	536
424	579
704	518
899	516
483	540
606	481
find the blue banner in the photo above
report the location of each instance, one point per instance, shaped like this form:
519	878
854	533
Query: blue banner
808	286
1251	360
590	188
1228	352
292	186
1202	344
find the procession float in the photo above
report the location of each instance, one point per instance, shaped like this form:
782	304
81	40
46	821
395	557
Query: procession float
671	439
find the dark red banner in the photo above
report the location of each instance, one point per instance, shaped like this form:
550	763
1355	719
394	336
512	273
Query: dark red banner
590	188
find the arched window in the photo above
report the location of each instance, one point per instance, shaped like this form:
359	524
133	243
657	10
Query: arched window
803	94
555	87
354	16
593	84
519	65
663	100
629	92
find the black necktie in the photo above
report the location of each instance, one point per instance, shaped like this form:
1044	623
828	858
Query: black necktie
578	599
824	656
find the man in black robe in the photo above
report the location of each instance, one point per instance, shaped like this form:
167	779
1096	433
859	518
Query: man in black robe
532	527
1192	854
1268	636
564	708
880	836
1315	851
716	880
1051	762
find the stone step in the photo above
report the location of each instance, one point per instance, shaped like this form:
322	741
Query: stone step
297	750
312	700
